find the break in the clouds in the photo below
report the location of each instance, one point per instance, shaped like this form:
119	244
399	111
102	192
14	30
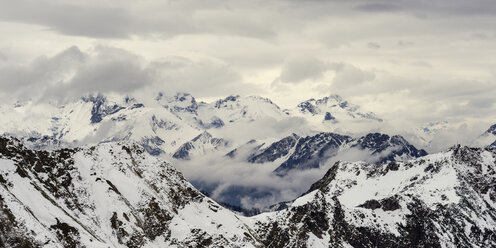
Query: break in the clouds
413	61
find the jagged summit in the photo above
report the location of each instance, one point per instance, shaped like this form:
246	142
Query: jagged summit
441	200
491	130
486	139
335	108
179	102
200	145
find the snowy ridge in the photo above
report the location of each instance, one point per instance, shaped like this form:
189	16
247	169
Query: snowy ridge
300	153
162	123
111	195
488	138
441	200
334	109
117	195
95	119
200	145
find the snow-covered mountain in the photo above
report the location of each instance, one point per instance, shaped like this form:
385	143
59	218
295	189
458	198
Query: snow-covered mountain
334	109
441	200
200	145
301	153
178	126
110	195
488	138
164	122
117	195
95	119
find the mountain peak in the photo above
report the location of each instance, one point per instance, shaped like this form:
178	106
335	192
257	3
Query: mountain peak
178	102
334	108
492	130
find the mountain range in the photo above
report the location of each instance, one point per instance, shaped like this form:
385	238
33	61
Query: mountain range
118	195
252	129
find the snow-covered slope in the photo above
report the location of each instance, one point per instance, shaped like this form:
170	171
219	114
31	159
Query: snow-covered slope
164	122
236	108
117	195
441	200
200	145
301	153
488	138
333	109
95	119
111	195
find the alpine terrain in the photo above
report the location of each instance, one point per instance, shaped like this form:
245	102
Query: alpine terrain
117	195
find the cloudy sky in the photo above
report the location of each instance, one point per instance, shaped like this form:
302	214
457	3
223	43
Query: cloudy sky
412	60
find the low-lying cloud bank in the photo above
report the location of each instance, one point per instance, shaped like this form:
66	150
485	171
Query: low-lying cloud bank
252	185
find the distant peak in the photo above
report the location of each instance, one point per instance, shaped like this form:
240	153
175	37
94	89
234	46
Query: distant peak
98	98
492	129
203	135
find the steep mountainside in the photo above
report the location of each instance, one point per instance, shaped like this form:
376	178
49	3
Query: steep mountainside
111	195
117	195
441	200
200	145
300	153
488	138
388	148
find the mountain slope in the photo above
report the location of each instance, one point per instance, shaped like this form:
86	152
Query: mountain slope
95	119
111	195
301	153
117	195
388	148
488	138
200	145
334	109
441	200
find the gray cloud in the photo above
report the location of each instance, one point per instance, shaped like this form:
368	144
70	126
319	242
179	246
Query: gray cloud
73	73
297	69
125	19
109	70
377	7
41	71
203	78
373	45
70	19
3	57
349	76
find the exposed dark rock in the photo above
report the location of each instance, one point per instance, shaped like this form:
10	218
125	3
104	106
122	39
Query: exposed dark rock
276	150
386	204
311	151
329	117
67	235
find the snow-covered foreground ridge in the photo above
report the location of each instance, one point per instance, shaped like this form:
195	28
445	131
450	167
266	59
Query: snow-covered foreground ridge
441	200
111	195
117	195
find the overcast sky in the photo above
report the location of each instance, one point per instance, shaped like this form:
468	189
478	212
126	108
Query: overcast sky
412	60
